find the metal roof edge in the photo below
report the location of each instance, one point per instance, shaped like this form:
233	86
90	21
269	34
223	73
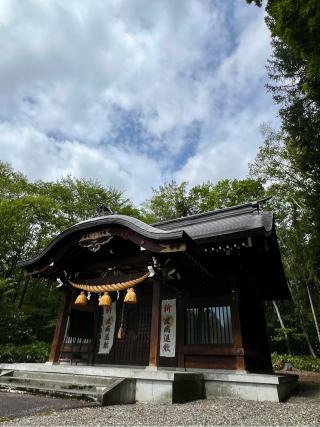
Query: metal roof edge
254	205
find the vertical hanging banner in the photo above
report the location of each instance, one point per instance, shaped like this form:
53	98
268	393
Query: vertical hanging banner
107	329
168	328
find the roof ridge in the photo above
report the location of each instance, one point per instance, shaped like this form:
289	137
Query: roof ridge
232	209
206	219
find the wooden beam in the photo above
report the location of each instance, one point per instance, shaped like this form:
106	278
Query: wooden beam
155	325
60	327
213	350
136	262
237	333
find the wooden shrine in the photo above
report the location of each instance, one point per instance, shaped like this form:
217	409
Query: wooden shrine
185	293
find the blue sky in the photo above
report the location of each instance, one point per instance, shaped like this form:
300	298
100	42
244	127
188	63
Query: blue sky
133	93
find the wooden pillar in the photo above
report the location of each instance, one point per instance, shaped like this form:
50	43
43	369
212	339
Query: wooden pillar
180	333
155	325
237	332
60	327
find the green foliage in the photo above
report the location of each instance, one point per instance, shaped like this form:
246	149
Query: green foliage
291	317
302	363
173	200
77	199
37	352
294	72
277	164
296	339
15	329
297	25
279	334
169	201
32	214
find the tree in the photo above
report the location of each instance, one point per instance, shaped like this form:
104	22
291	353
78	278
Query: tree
297	25
31	214
277	165
77	199
174	200
294	72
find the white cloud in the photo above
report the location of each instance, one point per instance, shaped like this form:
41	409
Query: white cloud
73	72
239	106
49	159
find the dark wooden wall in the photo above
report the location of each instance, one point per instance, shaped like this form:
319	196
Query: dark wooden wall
248	349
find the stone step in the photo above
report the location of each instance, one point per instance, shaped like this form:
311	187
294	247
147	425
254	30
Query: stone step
85	394
71	378
54	383
106	391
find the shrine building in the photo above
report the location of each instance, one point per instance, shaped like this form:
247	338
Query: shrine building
198	285
182	295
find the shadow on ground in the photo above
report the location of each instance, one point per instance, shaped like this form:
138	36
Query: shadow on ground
306	390
17	404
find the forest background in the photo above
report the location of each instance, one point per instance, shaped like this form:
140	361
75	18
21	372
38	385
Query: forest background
287	167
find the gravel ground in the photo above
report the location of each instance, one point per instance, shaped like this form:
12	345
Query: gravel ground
297	411
302	409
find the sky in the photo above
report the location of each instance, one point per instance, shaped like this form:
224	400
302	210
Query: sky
133	93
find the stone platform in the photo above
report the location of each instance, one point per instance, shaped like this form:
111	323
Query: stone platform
141	384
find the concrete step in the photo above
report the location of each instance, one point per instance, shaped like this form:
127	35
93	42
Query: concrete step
54	383
106	391
85	394
71	378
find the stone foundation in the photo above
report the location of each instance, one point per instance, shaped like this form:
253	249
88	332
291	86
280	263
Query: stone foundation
176	385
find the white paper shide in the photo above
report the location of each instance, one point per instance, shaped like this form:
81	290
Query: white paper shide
107	329
168	328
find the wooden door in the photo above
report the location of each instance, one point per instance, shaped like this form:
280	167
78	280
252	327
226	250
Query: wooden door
133	348
79	339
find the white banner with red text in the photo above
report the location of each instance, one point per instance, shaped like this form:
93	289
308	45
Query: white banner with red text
168	328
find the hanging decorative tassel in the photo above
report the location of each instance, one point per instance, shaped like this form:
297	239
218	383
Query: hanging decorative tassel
121	333
105	300
81	299
131	297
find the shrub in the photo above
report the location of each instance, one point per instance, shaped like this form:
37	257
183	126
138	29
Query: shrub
35	352
302	363
14	329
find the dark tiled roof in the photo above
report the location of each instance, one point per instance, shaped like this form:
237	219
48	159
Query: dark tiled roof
231	222
145	230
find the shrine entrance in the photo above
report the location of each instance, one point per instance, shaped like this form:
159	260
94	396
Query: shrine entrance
131	342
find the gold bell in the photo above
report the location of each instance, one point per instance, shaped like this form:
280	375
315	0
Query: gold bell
81	299
131	297
105	300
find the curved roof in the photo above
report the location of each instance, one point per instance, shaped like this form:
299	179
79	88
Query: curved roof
144	230
220	224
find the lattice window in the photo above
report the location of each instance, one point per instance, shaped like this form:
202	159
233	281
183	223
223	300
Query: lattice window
208	325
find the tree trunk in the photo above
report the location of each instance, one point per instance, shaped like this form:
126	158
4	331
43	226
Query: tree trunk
313	312
23	292
305	334
282	326
313	354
